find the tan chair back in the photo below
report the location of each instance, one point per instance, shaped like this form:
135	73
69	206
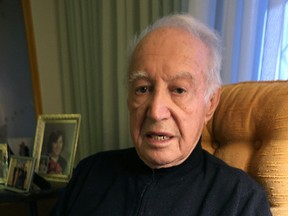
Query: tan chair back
249	130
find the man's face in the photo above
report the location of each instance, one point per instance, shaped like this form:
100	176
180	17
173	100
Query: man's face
166	96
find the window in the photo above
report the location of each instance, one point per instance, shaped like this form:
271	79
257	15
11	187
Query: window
274	50
283	51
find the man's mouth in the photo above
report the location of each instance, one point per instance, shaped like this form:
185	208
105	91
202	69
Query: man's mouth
158	137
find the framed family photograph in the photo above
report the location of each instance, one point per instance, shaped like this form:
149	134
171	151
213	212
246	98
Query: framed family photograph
3	162
55	145
20	173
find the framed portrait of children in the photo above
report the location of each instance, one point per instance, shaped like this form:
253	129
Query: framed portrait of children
20	173
3	162
55	145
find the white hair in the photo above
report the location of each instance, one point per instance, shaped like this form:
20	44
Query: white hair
191	25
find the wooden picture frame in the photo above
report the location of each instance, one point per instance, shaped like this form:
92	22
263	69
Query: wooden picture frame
56	138
20	95
32	55
20	174
3	162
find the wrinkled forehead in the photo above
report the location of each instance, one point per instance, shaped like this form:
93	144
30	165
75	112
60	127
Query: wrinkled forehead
171	47
168	39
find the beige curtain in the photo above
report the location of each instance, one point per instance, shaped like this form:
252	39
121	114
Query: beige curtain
94	35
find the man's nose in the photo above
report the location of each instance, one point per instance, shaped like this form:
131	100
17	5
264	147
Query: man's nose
158	108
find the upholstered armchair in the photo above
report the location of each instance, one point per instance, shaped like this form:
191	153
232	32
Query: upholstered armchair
249	130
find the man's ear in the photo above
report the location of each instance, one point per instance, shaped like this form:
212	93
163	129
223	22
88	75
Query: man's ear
212	104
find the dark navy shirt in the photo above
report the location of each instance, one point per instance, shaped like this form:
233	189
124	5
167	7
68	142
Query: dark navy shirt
119	183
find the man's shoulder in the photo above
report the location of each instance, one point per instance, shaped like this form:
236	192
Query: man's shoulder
111	154
108	158
235	186
231	174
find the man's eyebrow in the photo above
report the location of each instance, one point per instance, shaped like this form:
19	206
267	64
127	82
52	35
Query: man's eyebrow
182	75
137	75
144	75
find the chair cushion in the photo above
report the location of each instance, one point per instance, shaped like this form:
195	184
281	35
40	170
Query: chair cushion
249	130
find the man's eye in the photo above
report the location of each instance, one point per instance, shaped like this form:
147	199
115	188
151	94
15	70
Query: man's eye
142	89
179	91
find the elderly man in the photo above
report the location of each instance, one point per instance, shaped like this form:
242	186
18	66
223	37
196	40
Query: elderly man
174	87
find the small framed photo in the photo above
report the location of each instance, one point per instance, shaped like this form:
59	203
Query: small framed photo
3	162
55	145
20	173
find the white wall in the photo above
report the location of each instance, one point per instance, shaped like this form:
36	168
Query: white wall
46	41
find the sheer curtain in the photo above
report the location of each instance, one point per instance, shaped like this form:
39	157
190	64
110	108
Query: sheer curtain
274	64
94	35
254	36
